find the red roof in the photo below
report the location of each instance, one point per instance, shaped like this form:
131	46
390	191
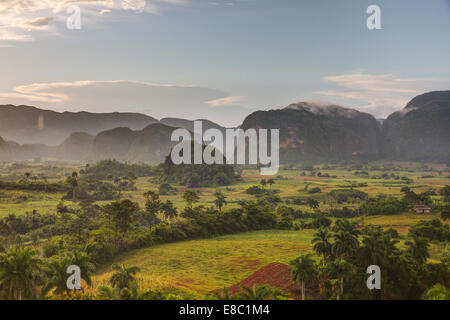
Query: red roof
422	208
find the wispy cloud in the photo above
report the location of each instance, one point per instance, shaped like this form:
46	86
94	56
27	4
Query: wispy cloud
380	94
224	101
18	18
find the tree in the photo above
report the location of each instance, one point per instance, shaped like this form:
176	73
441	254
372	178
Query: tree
445	193
303	271
20	273
152	204
418	249
262	292
121	214
220	200
123	276
345	244
438	292
169	210
445	215
346	225
322	245
73	181
271	182
312	203
191	197
339	270
263	183
56	275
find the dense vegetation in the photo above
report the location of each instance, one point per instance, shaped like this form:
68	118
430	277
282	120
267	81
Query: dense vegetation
88	233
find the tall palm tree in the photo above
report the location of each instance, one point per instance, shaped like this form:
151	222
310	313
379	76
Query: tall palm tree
123	277
339	270
303	271
345	244
20	273
372	251
322	244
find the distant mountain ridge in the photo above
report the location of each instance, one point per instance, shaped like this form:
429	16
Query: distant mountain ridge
420	131
26	124
309	131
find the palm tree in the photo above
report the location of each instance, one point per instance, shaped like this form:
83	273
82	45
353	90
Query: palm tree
83	261
345	244
220	200
346	226
56	276
131	293
123	277
303	271
56	271
321	241
438	292
418	249
339	270
372	251
256	292
20	273
169	210
225	294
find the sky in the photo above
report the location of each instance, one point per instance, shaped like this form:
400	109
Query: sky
221	60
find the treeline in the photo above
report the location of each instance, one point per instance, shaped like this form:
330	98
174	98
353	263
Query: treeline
112	169
345	253
196	175
28	185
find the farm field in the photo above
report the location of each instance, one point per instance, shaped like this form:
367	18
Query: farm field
289	184
195	268
201	266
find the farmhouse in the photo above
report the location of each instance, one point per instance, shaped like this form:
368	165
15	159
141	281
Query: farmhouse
421	209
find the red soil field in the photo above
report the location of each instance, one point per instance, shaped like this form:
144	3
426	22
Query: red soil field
277	275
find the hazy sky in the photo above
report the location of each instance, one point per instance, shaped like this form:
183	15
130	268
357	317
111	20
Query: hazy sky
221	59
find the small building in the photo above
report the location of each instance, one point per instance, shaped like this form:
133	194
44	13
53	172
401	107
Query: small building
421	209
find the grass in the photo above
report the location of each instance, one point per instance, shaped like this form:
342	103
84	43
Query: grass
201	266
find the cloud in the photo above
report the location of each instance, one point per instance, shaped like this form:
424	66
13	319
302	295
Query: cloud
157	100
380	94
19	17
224	101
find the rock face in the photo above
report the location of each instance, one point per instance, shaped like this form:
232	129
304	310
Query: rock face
151	145
420	131
312	131
25	124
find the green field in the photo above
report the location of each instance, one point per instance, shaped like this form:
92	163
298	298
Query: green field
201	266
